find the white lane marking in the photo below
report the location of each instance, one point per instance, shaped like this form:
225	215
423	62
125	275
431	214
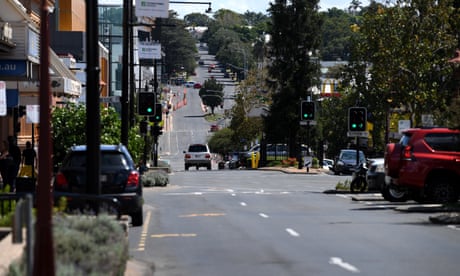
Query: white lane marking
263	215
243	204
339	262
292	232
198	193
453	227
233	194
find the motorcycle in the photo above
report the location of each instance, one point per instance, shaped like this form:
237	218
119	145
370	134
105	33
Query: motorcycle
358	183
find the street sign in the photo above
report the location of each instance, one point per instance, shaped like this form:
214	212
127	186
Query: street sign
111	99
307	123
3	110
358	134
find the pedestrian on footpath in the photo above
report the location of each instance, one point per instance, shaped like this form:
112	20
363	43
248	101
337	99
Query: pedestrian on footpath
29	161
15	154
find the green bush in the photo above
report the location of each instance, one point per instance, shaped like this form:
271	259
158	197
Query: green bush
85	245
155	178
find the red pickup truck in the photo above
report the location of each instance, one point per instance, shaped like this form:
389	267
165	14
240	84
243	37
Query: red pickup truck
424	166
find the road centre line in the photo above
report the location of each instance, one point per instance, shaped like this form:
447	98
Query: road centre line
339	262
160	236
203	215
243	204
292	232
141	245
263	215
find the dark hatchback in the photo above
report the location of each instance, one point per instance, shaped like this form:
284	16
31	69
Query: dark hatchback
120	182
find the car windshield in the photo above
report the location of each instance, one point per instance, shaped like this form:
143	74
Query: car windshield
351	155
108	159
197	148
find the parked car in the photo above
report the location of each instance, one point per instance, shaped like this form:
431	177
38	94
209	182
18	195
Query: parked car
119	179
346	161
328	164
275	150
197	155
197	85
424	164
375	176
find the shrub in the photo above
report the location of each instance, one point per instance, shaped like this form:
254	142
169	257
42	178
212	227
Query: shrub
155	178
85	245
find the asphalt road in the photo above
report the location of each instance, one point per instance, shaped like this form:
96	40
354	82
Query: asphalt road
232	222
252	222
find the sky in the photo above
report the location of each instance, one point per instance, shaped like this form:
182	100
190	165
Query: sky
239	6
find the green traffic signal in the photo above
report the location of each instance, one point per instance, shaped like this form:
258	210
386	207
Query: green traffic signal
146	103
357	119
307	110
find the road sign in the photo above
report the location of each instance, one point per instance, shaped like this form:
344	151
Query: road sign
307	123
3	111
111	99
358	134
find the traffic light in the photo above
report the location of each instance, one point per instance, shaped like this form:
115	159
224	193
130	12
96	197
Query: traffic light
146	103
307	110
357	119
158	116
156	130
143	126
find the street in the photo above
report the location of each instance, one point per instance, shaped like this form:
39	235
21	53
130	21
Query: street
253	222
270	223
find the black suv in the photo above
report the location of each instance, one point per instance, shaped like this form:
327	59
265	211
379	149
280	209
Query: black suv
120	181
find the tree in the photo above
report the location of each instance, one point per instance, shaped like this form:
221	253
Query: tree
197	19
178	45
212	94
399	55
295	32
69	128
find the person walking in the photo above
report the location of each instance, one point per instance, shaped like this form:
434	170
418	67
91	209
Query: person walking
13	170
5	160
29	161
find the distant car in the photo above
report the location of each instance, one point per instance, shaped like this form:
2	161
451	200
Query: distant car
214	128
328	164
189	84
197	85
197	155
119	180
346	161
375	176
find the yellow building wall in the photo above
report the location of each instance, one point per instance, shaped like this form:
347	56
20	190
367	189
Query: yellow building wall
72	15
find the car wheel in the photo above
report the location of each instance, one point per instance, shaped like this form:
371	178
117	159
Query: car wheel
137	218
442	190
186	167
393	194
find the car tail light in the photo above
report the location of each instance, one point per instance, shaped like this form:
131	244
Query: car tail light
188	156
61	180
133	179
407	152
208	155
